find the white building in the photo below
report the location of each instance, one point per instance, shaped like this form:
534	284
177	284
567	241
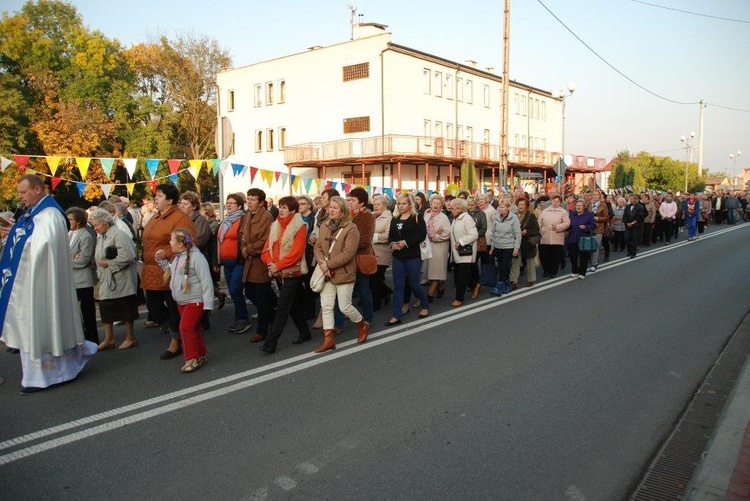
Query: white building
368	111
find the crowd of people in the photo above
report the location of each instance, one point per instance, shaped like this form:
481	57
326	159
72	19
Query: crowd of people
287	258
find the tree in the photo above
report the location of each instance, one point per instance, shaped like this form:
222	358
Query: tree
469	181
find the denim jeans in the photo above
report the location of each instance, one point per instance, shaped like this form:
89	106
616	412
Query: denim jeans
362	286
233	276
409	269
504	258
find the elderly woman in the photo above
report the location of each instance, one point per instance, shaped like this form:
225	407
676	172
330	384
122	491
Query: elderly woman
529	240
486	262
582	223
335	251
408	231
619	226
82	243
463	247
439	233
230	256
553	222
306	212
284	256
156	236
598	208
480	220
383	219
505	245
115	260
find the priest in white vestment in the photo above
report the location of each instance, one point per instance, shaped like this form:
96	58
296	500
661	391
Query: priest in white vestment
39	313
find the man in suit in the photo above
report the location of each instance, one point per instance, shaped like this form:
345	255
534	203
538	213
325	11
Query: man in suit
633	217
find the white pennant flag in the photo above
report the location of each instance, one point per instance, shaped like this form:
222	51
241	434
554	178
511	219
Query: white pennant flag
130	165
4	163
224	167
106	188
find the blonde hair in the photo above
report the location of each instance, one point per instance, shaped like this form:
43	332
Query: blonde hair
412	204
182	236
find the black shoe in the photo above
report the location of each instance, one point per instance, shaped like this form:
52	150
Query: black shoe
390	323
631	256
387	298
440	293
222	299
552	275
545	274
301	339
28	390
169	355
266	349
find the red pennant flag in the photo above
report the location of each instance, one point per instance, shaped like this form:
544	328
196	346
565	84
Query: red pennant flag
278	175
21	161
174	165
153	184
328	185
55	181
253	173
347	188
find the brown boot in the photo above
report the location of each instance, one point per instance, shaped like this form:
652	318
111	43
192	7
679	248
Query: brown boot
475	292
363	328
319	322
328	342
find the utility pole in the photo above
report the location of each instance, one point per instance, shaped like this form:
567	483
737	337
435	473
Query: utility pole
506	97
700	137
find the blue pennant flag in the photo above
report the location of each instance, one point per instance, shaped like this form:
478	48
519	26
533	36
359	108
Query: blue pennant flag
81	188
237	169
173	178
152	164
389	192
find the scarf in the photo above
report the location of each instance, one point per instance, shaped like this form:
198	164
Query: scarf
334	225
228	222
431	224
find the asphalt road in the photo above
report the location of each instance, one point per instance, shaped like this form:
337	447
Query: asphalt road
562	391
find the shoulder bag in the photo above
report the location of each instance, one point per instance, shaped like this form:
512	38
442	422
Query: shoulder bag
318	278
587	243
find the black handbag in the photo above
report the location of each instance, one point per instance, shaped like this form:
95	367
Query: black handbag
465	250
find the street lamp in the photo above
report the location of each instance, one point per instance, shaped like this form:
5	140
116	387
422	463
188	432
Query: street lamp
688	154
734	156
562	96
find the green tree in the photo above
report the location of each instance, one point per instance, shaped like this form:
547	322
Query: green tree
469	179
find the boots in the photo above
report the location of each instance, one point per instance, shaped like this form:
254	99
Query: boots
363	328
499	289
328	342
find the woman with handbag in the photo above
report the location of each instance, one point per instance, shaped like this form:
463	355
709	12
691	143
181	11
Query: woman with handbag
463	247
380	291
335	252
439	233
601	217
406	239
582	223
529	239
480	220
506	245
284	255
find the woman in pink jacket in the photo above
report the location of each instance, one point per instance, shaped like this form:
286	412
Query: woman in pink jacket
553	223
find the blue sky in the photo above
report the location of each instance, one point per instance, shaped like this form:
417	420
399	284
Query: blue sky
679	56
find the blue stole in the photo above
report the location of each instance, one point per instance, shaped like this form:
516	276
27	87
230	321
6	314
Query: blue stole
19	233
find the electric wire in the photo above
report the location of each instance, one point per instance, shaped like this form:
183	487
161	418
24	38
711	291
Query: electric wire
692	13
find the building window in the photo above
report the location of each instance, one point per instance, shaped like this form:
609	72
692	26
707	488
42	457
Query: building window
438	129
449	131
469	92
356	124
470	133
544	110
427	131
258	95
356	71
269	93
516	137
460	89
282	138
486	136
517	103
544	144
426	81
449	86
282	91
536	105
486	96
231	150
258	141
523	141
438	84
269	140
460	132
531	107
523	105
230	104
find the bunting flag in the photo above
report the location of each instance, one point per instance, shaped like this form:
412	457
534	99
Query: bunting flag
53	163
195	167
388	192
225	166
284	178
277	175
296	183
152	164
131	187
292	178
237	169
4	163
21	161
81	188
267	176
308	184
106	188
107	164
173	178
130	166
55	181
153	184
318	183
215	164
174	165
253	173
83	165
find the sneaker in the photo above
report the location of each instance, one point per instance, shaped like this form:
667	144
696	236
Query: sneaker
233	326
591	269
581	277
574	275
254	317
242	326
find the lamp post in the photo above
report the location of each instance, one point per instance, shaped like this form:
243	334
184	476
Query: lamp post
734	156
688	154
562	96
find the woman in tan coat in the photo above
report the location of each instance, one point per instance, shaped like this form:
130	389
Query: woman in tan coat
335	251
553	222
383	217
439	233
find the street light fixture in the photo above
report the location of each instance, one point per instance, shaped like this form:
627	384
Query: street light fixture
688	154
734	156
562	96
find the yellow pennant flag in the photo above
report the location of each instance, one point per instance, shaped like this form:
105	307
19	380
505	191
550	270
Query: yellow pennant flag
318	183
295	184
83	165
195	167
267	176
53	163
131	187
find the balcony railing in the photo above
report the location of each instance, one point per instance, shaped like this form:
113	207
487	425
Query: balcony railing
411	146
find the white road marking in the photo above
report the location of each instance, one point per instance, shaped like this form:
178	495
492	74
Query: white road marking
375	340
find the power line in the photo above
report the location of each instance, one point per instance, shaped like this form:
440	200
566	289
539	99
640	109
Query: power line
692	13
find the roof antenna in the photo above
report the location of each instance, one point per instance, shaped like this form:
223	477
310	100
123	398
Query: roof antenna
353	9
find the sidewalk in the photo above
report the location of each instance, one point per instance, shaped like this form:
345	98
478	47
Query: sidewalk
724	472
